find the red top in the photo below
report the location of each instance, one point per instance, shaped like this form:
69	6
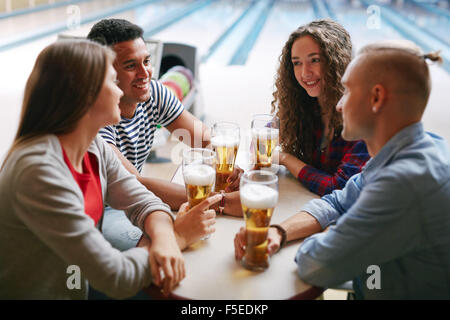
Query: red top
89	182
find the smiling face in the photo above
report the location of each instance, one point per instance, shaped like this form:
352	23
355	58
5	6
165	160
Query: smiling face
134	70
306	61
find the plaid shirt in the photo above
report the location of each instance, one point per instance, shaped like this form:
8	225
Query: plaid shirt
333	166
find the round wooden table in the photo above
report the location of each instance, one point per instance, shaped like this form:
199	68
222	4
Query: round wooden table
213	273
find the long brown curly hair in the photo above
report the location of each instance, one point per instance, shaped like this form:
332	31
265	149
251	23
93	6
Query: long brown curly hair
298	112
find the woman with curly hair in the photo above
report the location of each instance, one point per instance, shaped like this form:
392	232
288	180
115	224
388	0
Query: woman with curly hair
308	87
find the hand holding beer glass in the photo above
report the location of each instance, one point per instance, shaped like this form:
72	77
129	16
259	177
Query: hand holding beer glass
199	174
259	196
265	132
225	142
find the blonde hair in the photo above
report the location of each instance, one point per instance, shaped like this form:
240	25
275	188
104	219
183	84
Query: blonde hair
296	109
65	81
407	62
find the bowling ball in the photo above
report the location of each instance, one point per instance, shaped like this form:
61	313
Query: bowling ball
174	87
178	78
186	72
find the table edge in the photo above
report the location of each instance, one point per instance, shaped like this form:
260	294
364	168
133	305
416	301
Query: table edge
155	293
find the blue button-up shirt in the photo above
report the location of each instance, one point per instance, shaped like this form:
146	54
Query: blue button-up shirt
392	224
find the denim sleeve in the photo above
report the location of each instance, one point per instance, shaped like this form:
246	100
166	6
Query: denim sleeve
330	207
381	225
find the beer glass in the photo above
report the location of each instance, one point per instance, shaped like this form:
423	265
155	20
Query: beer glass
265	132
259	195
225	142
199	174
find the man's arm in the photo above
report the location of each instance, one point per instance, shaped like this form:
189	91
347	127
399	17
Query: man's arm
298	226
316	215
171	193
380	226
190	130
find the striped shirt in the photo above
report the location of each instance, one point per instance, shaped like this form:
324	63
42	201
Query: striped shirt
134	137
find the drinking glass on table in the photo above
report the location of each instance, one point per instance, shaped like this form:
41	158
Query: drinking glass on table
265	133
225	142
199	174
259	196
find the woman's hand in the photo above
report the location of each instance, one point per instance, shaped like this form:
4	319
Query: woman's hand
194	223
165	258
278	157
166	264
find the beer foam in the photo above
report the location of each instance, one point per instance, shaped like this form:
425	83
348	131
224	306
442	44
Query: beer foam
257	196
224	141
265	133
199	175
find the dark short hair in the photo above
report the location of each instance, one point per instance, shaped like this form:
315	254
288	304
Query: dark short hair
111	31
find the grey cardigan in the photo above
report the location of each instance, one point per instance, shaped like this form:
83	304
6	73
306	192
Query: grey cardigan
44	229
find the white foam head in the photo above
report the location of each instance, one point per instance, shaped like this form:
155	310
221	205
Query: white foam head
225	141
258	196
265	133
199	174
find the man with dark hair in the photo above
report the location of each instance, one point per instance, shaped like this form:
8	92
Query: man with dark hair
111	31
145	104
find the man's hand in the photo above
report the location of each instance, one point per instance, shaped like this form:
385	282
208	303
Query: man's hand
193	224
232	203
234	179
274	241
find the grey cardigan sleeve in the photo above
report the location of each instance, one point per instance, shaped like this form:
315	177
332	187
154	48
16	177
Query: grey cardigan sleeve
125	192
51	205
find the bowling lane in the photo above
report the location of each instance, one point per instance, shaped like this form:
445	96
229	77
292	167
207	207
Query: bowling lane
147	14
202	28
354	18
284	18
363	28
13	26
431	21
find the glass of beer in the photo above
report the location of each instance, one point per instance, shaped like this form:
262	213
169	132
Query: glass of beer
259	195
225	142
199	174
265	132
